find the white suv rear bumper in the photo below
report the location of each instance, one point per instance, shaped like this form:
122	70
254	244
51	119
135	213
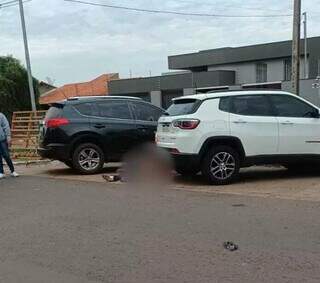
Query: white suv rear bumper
182	142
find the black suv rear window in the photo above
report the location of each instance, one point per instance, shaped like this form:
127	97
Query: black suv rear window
84	109
183	107
55	111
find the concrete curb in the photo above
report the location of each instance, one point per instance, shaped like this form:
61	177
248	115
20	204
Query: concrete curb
31	162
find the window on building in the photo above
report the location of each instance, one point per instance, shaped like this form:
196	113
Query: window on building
287	69
261	72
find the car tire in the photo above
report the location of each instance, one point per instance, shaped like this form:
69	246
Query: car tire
186	172
88	159
221	165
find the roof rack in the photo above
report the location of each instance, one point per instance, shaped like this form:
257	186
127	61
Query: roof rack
103	97
243	90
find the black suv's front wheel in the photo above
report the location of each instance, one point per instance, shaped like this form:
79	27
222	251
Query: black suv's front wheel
88	158
221	165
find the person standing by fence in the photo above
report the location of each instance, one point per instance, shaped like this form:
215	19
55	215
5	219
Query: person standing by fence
5	139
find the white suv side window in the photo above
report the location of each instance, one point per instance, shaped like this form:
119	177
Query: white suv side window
298	125
287	106
250	105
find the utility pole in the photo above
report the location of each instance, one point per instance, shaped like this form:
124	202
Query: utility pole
296	47
26	49
305	33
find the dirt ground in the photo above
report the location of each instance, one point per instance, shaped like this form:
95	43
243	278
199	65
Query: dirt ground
266	182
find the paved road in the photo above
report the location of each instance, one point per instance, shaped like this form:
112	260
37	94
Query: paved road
269	182
68	231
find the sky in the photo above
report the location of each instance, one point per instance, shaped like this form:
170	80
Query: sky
71	42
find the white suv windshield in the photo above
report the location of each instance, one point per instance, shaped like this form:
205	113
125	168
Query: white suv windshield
183	107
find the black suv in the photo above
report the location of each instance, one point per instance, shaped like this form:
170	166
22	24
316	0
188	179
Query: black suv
87	132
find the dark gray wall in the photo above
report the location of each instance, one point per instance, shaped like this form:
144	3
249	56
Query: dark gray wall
171	82
131	86
230	55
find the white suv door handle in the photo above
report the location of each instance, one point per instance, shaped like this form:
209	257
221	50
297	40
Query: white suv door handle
287	123
240	122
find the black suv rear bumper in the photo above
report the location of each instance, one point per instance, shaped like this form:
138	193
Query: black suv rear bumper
55	151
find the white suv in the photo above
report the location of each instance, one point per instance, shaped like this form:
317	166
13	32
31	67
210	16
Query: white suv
218	133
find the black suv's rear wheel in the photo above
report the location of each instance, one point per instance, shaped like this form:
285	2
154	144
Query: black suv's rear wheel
221	165
88	158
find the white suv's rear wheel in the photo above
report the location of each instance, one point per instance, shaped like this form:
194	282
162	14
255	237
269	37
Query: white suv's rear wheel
221	165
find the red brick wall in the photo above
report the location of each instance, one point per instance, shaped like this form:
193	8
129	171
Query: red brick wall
96	87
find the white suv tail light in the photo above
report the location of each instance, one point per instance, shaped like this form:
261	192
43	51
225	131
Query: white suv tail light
186	124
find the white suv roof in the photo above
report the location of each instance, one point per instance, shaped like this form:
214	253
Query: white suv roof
204	96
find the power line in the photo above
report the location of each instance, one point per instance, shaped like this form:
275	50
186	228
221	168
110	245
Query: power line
175	12
242	7
11	3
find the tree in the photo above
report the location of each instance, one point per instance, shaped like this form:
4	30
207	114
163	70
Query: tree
14	89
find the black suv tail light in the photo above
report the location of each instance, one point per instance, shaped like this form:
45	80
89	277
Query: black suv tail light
186	124
56	122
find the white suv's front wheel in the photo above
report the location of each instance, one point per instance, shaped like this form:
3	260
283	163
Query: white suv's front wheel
221	165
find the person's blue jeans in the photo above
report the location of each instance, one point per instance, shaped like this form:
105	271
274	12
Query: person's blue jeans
4	154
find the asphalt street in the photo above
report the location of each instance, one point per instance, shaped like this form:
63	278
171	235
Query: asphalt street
71	231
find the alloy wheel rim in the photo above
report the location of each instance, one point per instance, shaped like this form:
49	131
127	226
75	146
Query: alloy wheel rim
222	165
89	159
